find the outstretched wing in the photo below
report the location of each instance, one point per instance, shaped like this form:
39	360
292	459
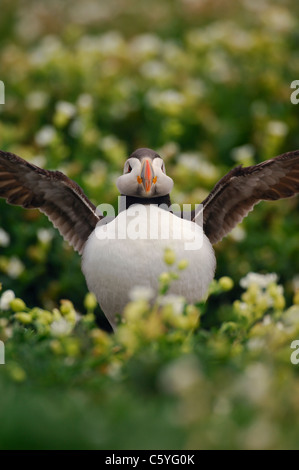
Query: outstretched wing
237	193
53	193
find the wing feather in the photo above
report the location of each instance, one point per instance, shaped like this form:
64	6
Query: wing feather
237	192
53	193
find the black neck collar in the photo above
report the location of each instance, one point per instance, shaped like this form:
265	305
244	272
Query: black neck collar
130	200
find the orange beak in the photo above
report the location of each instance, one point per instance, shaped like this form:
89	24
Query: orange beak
147	177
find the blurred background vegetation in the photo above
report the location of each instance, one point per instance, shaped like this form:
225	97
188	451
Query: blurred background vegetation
206	83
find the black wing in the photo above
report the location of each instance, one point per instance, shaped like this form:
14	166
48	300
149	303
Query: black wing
53	193
236	193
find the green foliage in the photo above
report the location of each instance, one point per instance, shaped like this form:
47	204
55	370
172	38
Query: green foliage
172	382
208	88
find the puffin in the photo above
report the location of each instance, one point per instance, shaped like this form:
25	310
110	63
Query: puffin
120	252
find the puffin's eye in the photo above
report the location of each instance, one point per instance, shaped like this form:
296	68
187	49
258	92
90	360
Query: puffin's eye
163	167
129	169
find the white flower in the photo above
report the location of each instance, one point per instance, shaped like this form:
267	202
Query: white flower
262	280
280	290
45	136
145	45
208	171
6	298
195	162
191	160
45	235
180	375
254	383
243	307
267	320
114	370
256	343
243	154
108	142
111	42
295	282
37	100
176	301
280	20
291	316
219	69
195	88
141	293
4	238
76	127
238	233
49	47
277	128
84	101
154	69
66	108
15	267
169	99
168	150
61	327
88	44
280	326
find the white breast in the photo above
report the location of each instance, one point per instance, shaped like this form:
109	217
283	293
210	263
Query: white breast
129	251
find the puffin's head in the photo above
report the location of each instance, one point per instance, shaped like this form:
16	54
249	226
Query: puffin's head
144	175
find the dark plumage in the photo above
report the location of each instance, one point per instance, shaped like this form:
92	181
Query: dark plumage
237	192
144	152
53	193
160	200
